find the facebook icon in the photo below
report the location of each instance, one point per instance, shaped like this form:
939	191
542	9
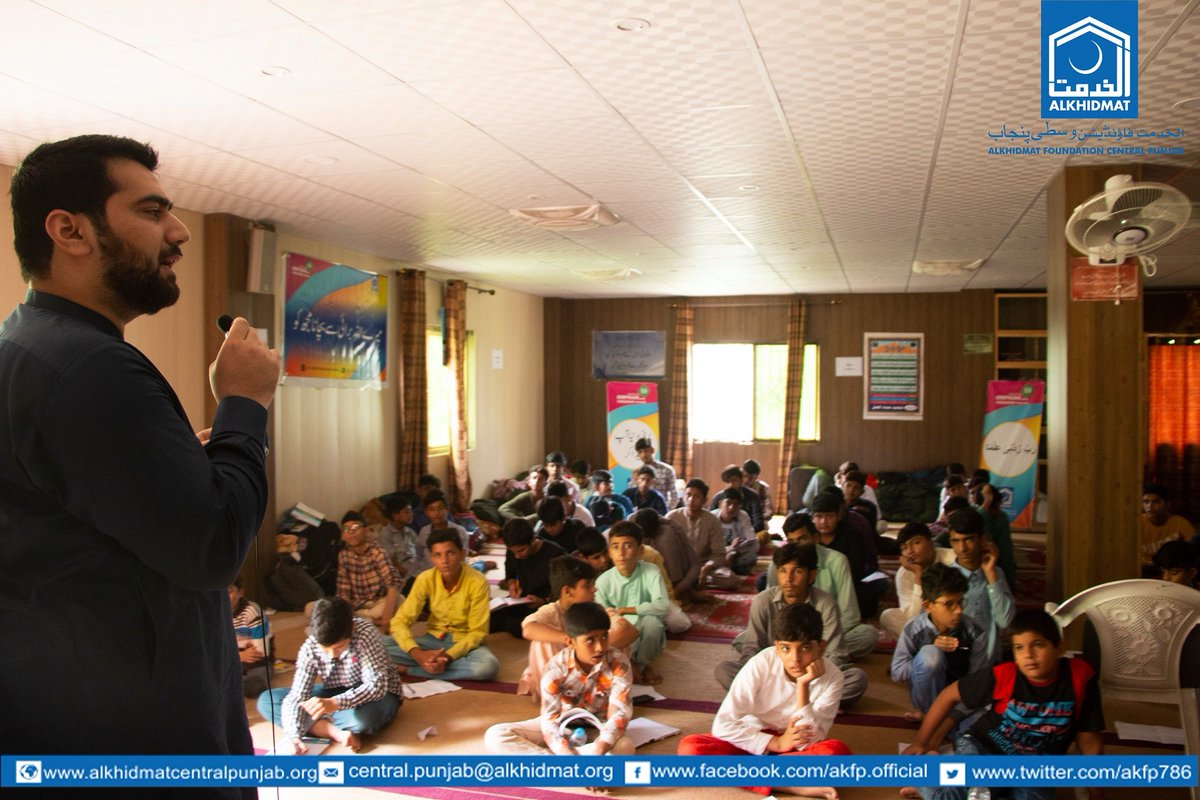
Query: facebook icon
637	772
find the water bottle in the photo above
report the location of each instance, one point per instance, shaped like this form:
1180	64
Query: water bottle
979	793
578	737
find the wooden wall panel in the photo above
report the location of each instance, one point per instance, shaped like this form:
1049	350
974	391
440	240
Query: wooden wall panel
955	385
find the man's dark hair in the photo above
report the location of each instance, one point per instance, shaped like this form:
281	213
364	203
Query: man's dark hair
966	521
981	475
731	472
396	504
72	175
642	444
952	481
858	476
627	529
557	457
1175	554
751	467
912	530
697	484
601	509
953	504
798	622
938	580
1033	620
353	516
429	480
1159	489
645	470
590	541
434	496
728	496
332	620
601	476
516	532
804	555
558	489
648	520
797	520
583	618
550	511
826	502
834	491
444	535
580	468
566	571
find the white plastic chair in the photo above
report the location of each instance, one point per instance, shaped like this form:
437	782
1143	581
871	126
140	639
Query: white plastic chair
1142	625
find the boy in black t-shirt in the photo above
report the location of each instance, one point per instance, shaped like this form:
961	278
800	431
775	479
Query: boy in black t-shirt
1037	704
526	575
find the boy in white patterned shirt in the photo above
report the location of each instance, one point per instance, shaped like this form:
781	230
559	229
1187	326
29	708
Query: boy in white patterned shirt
589	674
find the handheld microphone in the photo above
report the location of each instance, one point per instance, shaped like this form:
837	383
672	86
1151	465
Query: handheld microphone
225	322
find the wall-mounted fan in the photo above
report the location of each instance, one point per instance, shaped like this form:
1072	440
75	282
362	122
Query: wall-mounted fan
1127	219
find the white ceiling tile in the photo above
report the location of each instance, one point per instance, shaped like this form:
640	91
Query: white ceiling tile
153	26
330	157
642	86
783	24
33	35
237	126
383	110
515	96
580	138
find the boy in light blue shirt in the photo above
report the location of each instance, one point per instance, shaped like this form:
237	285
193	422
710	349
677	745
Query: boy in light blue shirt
635	589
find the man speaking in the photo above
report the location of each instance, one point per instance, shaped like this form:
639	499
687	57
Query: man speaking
120	528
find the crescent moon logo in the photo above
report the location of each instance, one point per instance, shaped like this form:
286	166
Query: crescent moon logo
1096	66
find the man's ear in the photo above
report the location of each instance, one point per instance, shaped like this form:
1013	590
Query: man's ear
72	233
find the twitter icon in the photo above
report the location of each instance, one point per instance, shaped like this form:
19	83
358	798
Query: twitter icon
953	773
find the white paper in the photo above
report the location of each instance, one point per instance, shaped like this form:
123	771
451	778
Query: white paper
874	576
641	690
640	731
428	689
1151	733
507	600
425	734
847	366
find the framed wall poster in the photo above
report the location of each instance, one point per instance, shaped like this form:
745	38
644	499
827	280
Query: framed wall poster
629	354
335	322
894	380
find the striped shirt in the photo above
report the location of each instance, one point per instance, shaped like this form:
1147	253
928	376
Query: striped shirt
364	671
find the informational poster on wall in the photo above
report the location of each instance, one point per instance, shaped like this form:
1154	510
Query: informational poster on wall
1012	429
632	415
334	324
629	354
894	384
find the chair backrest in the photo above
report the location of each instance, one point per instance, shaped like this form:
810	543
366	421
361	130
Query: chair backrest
798	478
1141	625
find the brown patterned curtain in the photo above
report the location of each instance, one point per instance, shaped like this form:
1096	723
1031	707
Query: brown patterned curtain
797	326
679	452
412	450
454	343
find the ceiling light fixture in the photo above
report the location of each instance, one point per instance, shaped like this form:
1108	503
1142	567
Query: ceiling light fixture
748	187
275	71
631	25
608	275
567	218
945	267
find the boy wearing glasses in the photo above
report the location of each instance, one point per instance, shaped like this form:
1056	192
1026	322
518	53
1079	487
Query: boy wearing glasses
366	578
939	645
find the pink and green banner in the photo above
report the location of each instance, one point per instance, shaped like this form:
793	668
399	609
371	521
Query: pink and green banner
1012	429
334	323
632	415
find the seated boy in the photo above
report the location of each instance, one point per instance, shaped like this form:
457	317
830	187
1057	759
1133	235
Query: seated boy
734	477
253	631
366	578
796	567
525	504
555	526
572	580
644	495
741	544
526	575
636	590
752	470
783	701
1038	704
439	520
602	490
397	538
458	599
345	684
917	552
589	674
939	645
989	601
834	577
706	536
1176	562
574	510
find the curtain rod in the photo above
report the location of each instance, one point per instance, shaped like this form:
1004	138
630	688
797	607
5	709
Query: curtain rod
444	281
760	304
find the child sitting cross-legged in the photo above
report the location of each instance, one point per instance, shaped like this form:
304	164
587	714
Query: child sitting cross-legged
1038	704
782	702
939	645
345	683
636	590
588	674
572	580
